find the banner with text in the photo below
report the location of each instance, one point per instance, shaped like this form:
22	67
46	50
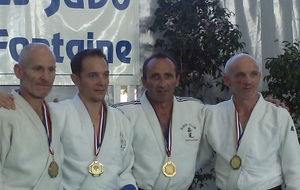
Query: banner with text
70	26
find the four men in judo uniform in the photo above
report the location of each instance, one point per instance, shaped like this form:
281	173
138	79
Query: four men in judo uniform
255	142
167	131
30	150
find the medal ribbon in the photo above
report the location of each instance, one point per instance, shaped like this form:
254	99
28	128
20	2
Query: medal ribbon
48	127
239	130
98	138
169	140
47	124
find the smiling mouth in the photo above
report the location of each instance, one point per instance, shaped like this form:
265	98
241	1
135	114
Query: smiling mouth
43	85
248	87
103	90
162	91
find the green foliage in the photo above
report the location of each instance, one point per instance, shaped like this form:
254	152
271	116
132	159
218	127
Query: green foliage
201	178
200	37
284	78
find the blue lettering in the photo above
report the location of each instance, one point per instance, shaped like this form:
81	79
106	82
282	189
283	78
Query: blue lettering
123	49
74	43
13	46
57	42
122	6
109	45
16	2
76	5
4	2
40	40
90	37
79	4
99	4
3	32
21	2
53	8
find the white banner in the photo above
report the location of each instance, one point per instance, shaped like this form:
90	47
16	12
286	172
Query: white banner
70	26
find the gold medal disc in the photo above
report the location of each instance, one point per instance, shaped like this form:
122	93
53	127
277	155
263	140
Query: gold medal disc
169	169
235	162
53	169
96	168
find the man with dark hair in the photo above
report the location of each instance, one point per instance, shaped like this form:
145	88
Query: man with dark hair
167	129
158	56
96	138
30	150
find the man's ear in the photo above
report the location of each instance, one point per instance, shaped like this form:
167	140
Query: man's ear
143	81
177	80
55	100
226	80
18	71
75	79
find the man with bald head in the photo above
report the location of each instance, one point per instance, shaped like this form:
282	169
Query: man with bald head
30	149
255	142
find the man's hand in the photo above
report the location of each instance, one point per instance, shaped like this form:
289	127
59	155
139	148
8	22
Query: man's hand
55	100
7	101
276	102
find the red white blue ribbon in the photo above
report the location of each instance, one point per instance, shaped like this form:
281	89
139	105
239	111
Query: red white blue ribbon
239	130
48	127
98	138
169	140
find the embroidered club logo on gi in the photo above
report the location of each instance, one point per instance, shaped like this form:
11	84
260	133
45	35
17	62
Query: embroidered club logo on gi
123	141
189	131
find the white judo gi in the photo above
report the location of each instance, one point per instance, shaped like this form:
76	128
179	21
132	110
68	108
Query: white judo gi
269	147
149	142
24	149
77	137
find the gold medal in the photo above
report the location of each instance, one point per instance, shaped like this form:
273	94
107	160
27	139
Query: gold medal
53	169
169	169
235	162
96	168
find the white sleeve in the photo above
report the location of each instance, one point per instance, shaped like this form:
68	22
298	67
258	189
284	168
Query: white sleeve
126	177
205	150
290	154
5	136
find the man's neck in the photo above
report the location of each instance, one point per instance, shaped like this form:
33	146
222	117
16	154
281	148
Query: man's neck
35	103
94	110
244	108
164	114
241	104
164	107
